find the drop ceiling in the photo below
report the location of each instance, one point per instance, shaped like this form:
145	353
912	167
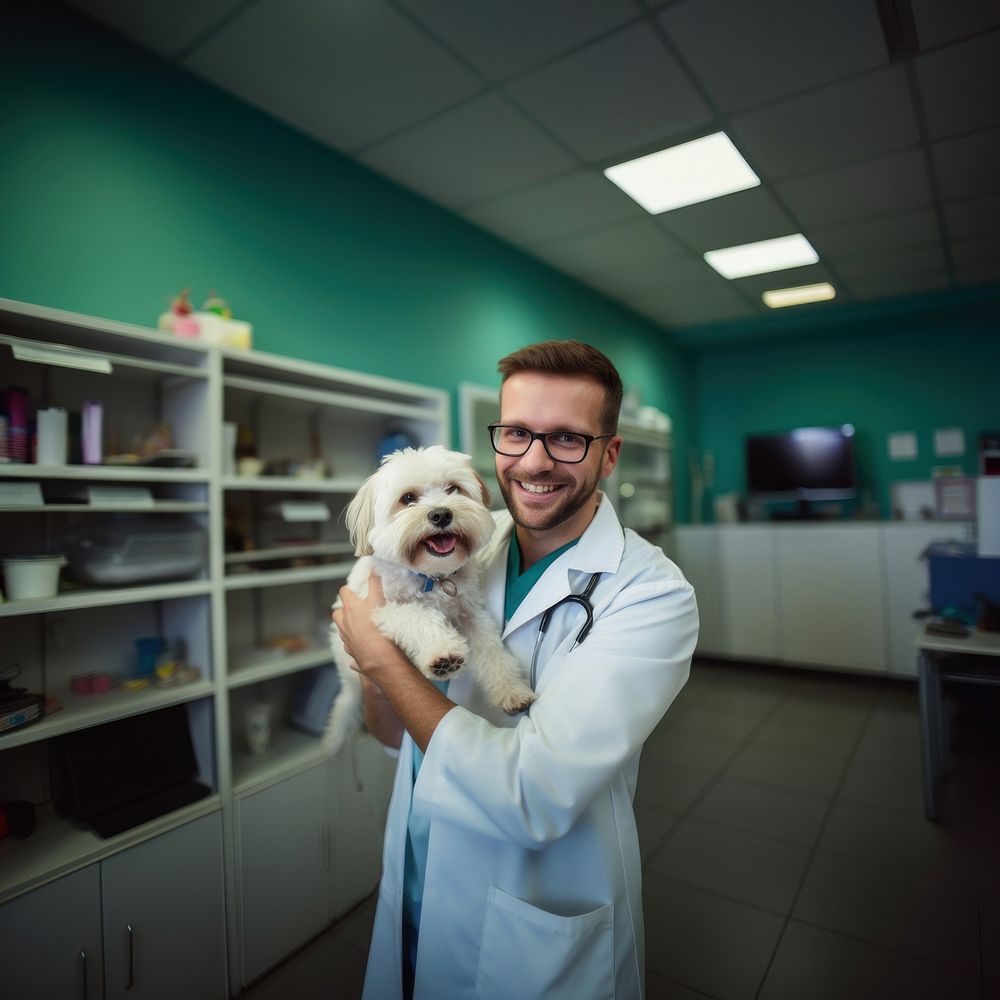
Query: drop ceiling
874	126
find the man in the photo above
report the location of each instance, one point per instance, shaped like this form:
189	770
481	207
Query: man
511	845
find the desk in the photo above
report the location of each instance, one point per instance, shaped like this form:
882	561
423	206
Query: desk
972	660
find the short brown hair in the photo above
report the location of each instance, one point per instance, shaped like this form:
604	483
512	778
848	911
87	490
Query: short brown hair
570	358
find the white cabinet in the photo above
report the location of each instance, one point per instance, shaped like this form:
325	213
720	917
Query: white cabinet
159	909
836	595
50	939
285	860
830	594
329	821
696	551
748	591
641	486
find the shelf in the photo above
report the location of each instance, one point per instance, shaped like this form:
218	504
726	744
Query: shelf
290	751
156	507
103	598
292	484
289	552
84	711
283	577
116	473
59	846
277	665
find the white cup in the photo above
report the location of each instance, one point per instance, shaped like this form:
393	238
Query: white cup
257	726
51	449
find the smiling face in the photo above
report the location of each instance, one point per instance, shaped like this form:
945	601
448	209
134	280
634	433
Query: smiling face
552	502
424	508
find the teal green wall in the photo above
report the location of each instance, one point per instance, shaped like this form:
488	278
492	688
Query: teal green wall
123	179
921	365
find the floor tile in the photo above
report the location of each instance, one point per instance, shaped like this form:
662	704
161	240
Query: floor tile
653	827
681	746
355	928
890	840
787	770
817	708
726	725
705	943
815	964
669	788
885	786
782	816
822	739
749	869
658	988
929	918
892	736
326	967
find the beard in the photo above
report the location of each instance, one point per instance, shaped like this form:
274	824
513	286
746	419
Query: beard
571	502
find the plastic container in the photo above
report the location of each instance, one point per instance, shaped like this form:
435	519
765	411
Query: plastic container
27	577
136	548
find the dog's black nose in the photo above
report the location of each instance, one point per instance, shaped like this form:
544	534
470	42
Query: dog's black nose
440	517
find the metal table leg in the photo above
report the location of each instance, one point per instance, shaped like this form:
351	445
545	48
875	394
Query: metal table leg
930	729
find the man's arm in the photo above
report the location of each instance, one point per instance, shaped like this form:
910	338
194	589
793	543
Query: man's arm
416	703
380	720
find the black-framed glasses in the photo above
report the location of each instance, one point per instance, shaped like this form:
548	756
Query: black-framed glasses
560	446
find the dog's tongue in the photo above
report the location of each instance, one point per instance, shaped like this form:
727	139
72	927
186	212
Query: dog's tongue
441	544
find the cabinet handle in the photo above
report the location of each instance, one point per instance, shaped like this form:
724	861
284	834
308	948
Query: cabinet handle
83	963
131	956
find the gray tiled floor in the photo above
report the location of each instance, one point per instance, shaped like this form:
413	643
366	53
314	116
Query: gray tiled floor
786	853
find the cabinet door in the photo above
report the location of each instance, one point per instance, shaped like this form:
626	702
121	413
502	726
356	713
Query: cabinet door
697	554
907	584
748	591
362	783
284	867
830	592
50	940
164	916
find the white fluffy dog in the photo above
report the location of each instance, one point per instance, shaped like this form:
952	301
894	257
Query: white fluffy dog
416	522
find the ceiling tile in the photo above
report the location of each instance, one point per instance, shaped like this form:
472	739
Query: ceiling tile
749	53
884	286
613	96
743	217
711	305
970	218
675	272
509	37
623	244
978	250
959	86
978	274
882	186
909	262
847	121
967	167
860	239
165	28
554	208
939	22
347	73
480	149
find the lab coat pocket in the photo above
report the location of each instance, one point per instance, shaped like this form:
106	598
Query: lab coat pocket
531	953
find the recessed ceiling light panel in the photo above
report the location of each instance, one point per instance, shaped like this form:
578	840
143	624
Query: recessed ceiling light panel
778	298
762	257
695	171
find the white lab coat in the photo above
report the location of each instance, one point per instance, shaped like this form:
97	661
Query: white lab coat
533	880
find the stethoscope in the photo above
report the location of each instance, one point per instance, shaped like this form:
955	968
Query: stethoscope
582	599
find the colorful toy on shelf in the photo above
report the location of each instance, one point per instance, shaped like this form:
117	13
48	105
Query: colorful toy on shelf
214	324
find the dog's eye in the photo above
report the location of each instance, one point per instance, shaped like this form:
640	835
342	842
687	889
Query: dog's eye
408	498
450	488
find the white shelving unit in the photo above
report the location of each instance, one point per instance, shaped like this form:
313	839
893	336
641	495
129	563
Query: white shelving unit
254	621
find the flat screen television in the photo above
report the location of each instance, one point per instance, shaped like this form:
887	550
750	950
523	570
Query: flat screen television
808	463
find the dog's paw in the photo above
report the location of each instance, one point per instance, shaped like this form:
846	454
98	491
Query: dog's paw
517	699
445	666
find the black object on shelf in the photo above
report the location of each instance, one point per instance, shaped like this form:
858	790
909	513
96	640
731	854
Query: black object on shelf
123	774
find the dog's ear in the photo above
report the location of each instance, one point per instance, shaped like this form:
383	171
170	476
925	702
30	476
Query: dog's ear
360	517
484	490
